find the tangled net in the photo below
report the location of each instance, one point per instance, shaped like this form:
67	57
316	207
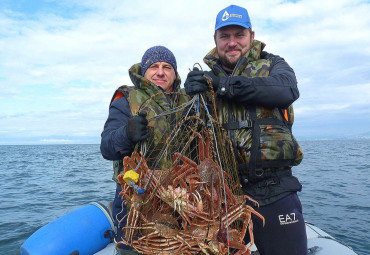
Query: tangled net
193	203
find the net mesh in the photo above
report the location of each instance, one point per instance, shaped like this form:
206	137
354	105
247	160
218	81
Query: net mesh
193	203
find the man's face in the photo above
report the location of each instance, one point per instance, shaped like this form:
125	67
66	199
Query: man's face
161	74
232	42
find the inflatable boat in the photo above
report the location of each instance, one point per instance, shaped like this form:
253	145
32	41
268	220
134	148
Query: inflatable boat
89	229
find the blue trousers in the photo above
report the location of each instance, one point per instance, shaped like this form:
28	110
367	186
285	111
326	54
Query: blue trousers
284	232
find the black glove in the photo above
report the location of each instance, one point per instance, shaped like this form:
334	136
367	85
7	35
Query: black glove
215	80
137	128
195	82
220	84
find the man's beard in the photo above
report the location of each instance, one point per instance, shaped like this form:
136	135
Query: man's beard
227	63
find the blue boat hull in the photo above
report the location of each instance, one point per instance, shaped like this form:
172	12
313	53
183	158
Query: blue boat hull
83	231
88	231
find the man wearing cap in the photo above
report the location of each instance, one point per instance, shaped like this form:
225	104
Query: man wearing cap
255	91
127	123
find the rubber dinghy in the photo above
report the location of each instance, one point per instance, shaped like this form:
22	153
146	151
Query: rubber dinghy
88	230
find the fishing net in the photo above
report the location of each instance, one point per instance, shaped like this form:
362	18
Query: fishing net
183	191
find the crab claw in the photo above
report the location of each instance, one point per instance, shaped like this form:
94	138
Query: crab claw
199	200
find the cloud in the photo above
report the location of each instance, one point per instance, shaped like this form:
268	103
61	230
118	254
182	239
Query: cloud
60	61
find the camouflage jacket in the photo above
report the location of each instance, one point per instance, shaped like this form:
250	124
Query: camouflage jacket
128	101
260	130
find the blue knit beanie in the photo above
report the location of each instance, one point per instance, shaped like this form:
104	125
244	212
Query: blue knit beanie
157	54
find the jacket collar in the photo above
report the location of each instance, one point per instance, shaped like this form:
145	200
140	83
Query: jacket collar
212	58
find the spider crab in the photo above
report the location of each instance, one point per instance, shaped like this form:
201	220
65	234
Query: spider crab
187	209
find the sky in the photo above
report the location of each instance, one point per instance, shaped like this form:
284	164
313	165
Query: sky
61	61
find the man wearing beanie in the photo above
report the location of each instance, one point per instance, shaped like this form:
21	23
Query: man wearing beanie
152	60
131	106
255	91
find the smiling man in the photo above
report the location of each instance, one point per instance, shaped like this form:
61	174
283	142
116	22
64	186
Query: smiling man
158	65
254	95
154	79
232	42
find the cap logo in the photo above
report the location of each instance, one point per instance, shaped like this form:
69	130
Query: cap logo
226	16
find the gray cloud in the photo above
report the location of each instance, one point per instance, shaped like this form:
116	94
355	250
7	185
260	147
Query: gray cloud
58	69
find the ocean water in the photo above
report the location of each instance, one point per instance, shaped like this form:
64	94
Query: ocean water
42	182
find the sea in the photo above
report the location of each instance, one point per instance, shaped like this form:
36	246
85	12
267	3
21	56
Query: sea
40	183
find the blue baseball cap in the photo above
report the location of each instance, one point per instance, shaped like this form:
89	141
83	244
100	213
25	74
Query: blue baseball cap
233	15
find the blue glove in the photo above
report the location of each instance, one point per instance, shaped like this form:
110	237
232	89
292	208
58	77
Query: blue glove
137	128
195	82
